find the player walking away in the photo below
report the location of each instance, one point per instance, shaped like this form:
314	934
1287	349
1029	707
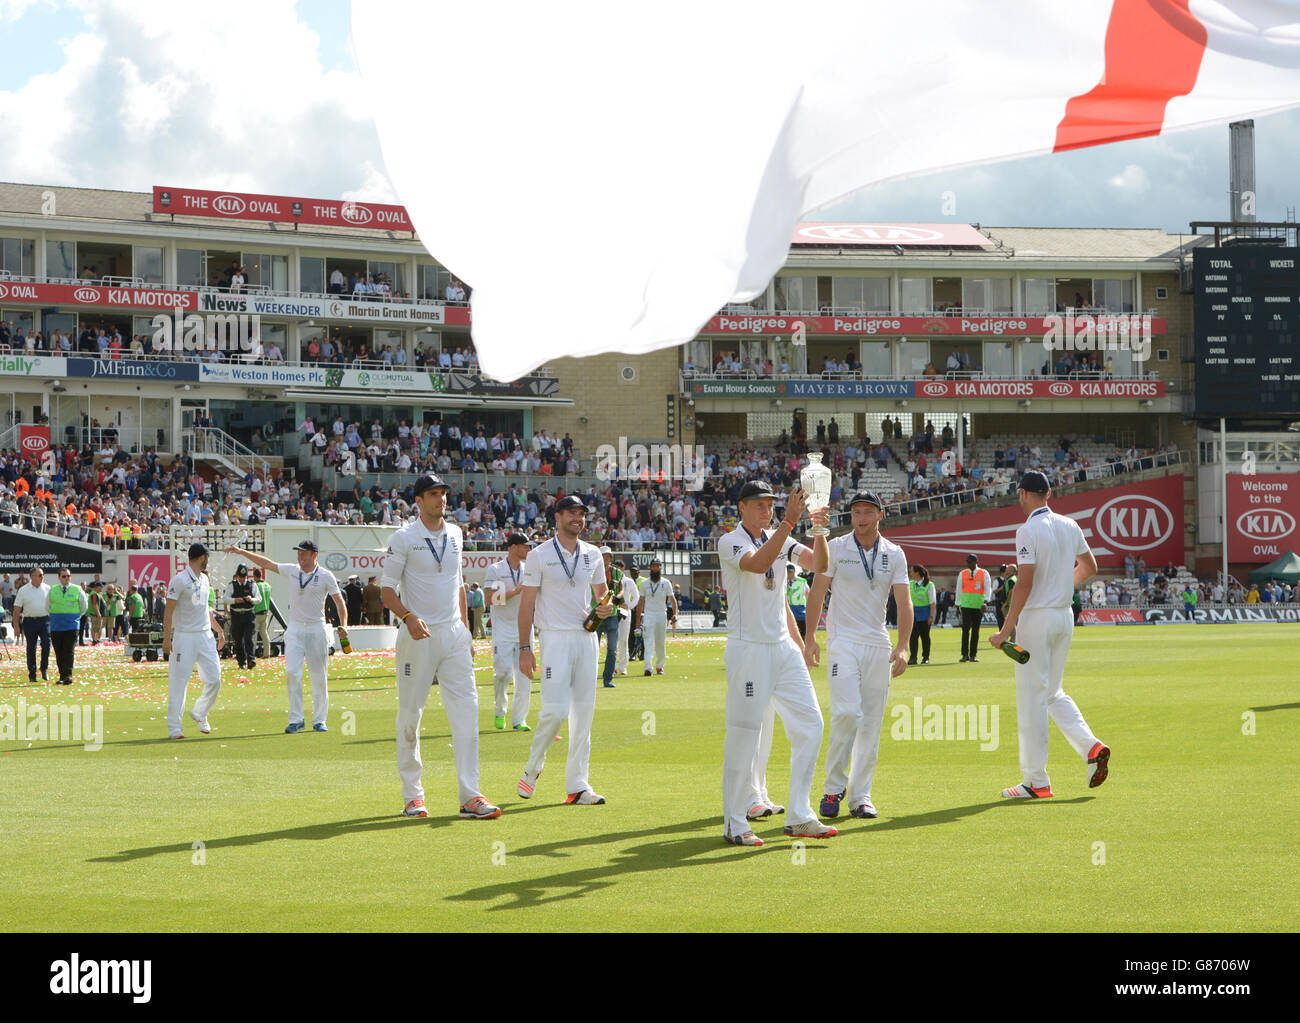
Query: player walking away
503	585
863	568
657	606
924	603
306	638
32	616
608	626
558	577
242	597
627	615
188	627
974	589
424	589
765	663
65	604
796	588
1053	559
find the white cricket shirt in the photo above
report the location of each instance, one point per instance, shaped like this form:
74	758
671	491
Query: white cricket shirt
308	592
631	593
755	612
190	592
656	596
425	568
564	588
1050	543
501	578
857	611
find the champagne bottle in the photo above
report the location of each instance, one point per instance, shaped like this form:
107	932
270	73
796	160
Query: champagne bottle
593	620
344	642
1017	653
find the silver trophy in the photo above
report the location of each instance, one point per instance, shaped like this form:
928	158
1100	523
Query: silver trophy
815	478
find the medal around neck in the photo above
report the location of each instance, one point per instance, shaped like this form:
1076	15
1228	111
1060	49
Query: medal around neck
815	478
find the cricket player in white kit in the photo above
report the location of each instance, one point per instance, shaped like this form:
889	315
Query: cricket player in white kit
863	568
1053	559
503	584
306	637
559	578
657	606
188	625
631	595
765	664
424	589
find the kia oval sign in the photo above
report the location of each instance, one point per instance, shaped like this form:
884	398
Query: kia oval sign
1134	522
1060	389
934	390
35	444
1266	524
90	296
230	205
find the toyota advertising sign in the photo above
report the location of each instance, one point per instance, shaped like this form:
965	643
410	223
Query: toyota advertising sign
1263	512
1142	519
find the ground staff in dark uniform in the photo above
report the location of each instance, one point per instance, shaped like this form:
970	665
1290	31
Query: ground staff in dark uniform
242	596
65	604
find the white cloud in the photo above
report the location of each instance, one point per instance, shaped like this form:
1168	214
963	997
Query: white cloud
1132	180
157	92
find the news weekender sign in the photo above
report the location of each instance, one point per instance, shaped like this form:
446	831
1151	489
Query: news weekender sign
1263	511
1144	519
198	202
342	308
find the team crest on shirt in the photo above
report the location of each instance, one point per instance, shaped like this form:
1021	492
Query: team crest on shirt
735	549
749	688
406	670
835	670
884	560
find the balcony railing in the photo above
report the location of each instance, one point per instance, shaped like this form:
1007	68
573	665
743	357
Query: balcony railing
944	310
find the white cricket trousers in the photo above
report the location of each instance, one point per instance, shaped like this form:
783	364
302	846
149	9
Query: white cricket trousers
188	650
1046	634
567	667
309	645
624	634
654	629
859	682
505	666
759	675
445	654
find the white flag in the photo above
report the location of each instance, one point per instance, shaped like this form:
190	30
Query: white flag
606	176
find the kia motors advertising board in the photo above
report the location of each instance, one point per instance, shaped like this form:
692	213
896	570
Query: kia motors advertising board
1263	512
33	441
1144	519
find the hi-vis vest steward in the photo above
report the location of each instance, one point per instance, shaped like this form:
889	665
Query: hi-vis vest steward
971	588
65	608
920	601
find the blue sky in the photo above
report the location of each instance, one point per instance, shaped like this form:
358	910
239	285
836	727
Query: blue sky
279	115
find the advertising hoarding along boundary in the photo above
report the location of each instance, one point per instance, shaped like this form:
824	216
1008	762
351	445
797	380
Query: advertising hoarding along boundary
927	388
1263	512
98	295
1144	519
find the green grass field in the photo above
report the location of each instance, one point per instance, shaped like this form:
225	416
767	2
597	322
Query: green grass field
302	832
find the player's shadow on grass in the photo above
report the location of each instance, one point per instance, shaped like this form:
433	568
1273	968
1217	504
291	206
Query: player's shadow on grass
125	743
309	832
664	854
953	813
1277	706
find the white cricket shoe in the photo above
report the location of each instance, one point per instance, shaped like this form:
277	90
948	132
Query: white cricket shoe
584	798
748	838
204	727
810	829
527	785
